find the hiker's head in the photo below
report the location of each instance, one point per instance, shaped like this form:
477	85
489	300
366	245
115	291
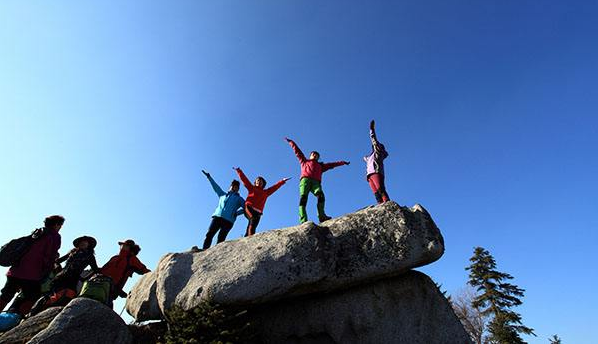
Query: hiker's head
314	155
85	242
234	185
127	245
54	222
260	182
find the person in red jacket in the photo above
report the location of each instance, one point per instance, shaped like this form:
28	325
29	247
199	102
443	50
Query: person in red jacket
33	267
122	266
311	180
256	198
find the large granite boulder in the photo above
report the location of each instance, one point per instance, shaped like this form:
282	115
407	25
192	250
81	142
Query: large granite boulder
85	321
406	309
27	329
373	243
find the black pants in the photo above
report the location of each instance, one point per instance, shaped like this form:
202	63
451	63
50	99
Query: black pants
253	216
30	292
220	226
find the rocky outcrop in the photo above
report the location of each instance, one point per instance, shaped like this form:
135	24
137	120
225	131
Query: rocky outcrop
27	329
85	321
358	248
406	309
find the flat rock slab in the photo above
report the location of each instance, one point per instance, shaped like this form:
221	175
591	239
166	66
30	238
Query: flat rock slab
407	309
358	248
85	321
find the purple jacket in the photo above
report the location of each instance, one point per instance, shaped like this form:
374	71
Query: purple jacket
39	260
375	161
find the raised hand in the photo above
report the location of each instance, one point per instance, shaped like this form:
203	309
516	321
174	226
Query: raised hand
237	169
286	179
347	162
372	125
205	173
287	139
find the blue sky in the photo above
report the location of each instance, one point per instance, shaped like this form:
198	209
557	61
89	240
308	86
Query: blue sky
110	111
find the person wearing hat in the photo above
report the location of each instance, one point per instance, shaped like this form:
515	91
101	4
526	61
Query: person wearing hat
122	266
80	257
63	287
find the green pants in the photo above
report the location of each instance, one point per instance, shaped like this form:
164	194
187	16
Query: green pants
307	185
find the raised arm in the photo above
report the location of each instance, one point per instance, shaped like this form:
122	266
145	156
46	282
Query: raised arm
376	145
330	165
215	186
64	258
296	149
244	179
273	188
94	264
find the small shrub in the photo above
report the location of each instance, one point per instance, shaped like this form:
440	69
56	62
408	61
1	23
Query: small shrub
208	323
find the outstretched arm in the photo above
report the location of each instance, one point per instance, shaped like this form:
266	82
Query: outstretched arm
330	165
243	177
273	188
376	145
215	186
296	149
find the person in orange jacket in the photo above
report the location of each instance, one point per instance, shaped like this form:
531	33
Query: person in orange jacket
122	266
256	198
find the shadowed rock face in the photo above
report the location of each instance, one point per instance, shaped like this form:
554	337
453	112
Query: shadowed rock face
85	321
406	309
358	248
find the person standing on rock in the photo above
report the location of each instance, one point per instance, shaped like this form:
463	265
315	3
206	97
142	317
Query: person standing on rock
33	267
311	180
375	167
256	198
122	266
230	205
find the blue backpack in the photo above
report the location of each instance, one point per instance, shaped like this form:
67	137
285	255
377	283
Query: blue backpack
9	320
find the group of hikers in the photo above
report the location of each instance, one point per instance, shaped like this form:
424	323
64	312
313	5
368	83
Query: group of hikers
231	204
38	277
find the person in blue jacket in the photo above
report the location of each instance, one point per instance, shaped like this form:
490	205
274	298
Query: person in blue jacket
230	204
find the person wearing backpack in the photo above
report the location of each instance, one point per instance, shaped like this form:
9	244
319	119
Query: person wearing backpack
63	287
311	180
122	266
256	198
375	167
27	275
230	205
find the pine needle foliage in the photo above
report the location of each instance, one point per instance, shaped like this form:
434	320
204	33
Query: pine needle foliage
495	299
208	323
555	339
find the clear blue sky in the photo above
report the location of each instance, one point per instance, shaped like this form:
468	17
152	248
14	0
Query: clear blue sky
488	109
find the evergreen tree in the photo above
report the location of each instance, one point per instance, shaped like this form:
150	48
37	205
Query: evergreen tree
555	339
495	298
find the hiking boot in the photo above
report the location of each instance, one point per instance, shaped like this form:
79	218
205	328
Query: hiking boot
196	249
324	218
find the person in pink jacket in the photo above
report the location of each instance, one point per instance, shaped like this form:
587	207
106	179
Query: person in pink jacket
311	180
33	267
375	167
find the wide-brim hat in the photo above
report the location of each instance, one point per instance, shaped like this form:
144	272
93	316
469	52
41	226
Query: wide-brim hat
92	241
129	242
